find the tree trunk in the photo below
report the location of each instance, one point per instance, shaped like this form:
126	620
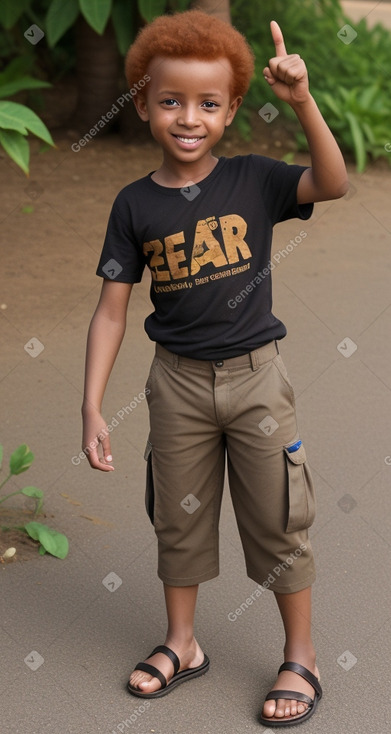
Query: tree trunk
97	65
219	9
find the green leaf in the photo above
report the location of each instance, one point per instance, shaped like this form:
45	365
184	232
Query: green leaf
330	101
124	25
20	66
21	459
17	147
179	5
150	9
41	550
369	133
11	10
15	116
33	492
18	85
53	542
60	16
37	494
358	142
96	13
368	96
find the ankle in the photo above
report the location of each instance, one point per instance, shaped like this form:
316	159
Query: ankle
300	652
181	641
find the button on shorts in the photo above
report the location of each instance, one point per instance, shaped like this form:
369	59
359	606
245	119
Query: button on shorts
239	411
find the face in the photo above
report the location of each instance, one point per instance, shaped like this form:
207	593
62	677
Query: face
188	105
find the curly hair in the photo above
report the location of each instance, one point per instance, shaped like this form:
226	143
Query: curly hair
191	34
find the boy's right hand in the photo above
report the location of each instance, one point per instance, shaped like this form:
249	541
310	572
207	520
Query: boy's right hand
96	440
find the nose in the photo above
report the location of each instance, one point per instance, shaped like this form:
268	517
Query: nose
188	116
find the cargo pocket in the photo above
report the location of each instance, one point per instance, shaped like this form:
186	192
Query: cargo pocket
149	489
301	489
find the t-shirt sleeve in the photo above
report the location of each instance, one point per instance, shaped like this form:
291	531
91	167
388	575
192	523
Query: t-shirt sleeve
122	258
279	182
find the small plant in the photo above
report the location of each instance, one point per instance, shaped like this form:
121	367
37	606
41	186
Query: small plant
50	540
17	120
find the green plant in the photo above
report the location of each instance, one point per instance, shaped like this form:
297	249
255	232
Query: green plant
359	119
350	82
17	120
50	540
62	15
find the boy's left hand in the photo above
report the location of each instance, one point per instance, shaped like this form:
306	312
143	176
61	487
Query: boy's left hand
286	73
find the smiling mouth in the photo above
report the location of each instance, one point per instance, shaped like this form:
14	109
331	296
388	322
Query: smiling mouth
189	140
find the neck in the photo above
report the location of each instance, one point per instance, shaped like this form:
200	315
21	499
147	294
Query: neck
176	174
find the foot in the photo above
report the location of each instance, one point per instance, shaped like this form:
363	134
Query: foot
284	708
190	656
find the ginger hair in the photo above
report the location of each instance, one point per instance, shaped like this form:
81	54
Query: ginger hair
191	34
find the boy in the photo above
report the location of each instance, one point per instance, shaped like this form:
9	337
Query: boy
217	384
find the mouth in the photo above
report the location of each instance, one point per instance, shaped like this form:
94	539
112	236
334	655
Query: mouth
189	141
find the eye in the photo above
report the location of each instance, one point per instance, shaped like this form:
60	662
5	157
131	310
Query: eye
209	105
169	102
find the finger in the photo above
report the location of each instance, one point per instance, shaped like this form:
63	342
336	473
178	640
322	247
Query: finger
107	457
278	39
98	462
268	75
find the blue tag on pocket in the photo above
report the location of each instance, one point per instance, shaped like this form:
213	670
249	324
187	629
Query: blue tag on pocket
294	447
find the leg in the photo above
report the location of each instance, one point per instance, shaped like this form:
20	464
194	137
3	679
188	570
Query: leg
180	605
295	612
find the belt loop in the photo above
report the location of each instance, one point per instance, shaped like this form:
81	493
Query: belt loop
254	360
276	343
175	362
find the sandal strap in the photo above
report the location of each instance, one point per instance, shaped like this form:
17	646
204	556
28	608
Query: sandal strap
170	654
290	695
147	668
305	673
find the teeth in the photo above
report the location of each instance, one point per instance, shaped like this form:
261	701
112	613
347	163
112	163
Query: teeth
187	140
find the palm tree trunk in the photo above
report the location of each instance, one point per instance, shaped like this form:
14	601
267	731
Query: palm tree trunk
97	65
219	9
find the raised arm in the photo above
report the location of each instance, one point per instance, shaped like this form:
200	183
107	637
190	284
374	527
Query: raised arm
105	335
287	74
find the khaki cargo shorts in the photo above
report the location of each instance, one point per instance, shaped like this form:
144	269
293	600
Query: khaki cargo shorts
242	410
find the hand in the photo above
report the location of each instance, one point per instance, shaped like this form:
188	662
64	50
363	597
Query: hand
286	73
96	440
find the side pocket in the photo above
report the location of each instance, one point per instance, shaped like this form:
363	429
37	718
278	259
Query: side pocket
301	489
149	488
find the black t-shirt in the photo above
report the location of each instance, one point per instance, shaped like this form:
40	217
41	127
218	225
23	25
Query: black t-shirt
208	247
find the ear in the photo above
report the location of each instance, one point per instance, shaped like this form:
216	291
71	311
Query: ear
140	104
232	110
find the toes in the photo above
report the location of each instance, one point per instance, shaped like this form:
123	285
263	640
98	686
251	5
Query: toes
144	683
282	708
269	708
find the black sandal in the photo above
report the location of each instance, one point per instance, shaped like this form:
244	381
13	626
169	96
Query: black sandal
177	678
294	696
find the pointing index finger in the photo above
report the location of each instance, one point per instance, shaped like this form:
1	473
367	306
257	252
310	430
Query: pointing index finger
278	39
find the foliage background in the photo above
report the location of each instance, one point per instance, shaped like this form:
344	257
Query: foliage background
351	83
